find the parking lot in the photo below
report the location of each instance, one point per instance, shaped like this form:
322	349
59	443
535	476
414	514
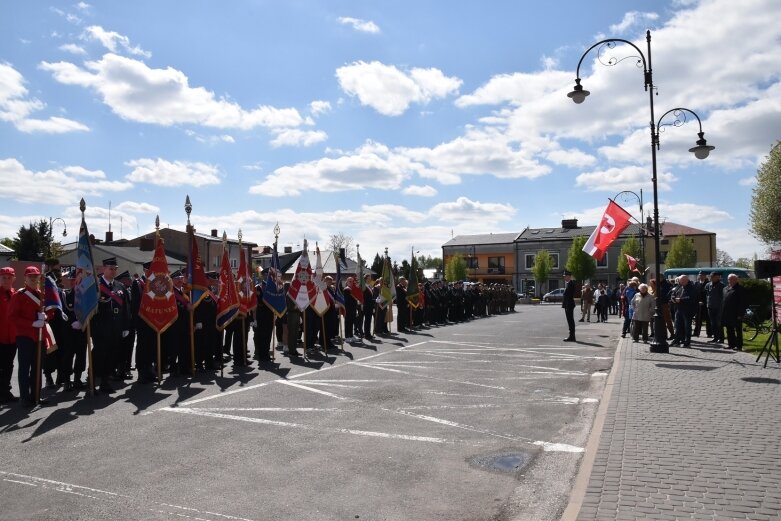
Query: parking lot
480	420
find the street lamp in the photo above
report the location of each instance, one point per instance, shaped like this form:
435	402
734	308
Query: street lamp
701	151
53	220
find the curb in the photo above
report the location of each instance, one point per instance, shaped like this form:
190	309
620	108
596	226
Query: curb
592	446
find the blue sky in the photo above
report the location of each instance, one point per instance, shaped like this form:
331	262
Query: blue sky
396	123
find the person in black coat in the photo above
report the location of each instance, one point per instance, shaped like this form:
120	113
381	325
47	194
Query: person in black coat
568	303
110	324
733	308
402	306
368	307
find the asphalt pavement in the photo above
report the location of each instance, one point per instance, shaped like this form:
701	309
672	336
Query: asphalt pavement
484	420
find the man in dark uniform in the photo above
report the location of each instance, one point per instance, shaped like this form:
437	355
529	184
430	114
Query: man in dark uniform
110	324
701	311
402	306
368	307
75	356
53	361
733	307
208	345
176	339
146	338
263	327
125	358
568	303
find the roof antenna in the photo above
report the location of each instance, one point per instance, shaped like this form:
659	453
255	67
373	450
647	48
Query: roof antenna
109	216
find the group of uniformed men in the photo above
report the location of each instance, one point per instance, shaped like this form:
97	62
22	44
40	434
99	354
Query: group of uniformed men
117	330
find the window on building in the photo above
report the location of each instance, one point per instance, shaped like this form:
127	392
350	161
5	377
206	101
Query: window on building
530	260
495	264
217	261
234	263
555	263
602	263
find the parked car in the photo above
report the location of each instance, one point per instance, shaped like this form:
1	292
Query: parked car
557	295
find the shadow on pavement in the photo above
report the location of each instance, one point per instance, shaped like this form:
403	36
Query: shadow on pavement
760	380
688	367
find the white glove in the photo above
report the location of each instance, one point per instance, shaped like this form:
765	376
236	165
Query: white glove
198	326
253	324
125	333
41	315
39	323
76	325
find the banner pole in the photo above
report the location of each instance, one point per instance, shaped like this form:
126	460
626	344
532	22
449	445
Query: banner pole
192	339
322	335
341	335
244	339
159	361
90	369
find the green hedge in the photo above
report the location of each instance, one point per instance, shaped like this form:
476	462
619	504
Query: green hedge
759	293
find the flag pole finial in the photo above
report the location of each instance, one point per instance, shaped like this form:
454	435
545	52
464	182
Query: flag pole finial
82	206
188	207
276	231
240	236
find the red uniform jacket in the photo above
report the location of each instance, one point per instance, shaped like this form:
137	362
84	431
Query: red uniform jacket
7	329
24	311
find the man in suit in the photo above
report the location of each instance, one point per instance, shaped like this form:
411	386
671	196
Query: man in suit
733	306
110	324
568	303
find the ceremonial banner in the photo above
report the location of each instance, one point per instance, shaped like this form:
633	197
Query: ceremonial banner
85	286
322	298
158	302
302	289
274	292
357	285
248	298
51	295
413	292
196	276
388	289
228	299
614	221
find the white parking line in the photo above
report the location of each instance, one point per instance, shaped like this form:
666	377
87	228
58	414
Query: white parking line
313	390
463	382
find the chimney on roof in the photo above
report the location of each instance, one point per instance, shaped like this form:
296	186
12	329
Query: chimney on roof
569	224
288	249
214	232
266	250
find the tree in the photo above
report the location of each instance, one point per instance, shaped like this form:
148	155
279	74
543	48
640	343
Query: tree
455	269
376	266
33	243
340	240
429	262
744	262
766	199
543	263
579	263
723	258
405	267
682	253
632	248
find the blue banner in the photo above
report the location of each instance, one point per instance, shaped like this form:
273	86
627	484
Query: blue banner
85	298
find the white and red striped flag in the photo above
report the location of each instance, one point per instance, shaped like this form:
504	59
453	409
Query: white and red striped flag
614	221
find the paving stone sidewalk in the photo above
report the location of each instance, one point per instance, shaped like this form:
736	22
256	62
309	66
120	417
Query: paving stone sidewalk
693	434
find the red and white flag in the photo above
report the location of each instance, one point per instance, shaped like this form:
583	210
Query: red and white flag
632	263
302	289
614	221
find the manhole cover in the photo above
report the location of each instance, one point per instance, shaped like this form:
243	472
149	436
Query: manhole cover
509	462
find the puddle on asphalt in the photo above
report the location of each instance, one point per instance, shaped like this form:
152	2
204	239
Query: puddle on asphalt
506	462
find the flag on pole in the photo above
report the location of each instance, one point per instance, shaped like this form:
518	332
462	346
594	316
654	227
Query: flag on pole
85	293
158	302
357	286
51	295
196	276
338	293
321	300
248	297
614	221
388	289
228	298
274	292
413	292
302	289
632	263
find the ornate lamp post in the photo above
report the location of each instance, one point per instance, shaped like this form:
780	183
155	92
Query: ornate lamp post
640	229
53	220
700	150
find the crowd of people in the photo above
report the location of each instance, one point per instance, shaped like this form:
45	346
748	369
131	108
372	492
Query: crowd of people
687	307
121	340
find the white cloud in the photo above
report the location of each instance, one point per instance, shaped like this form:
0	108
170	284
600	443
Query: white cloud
73	49
297	137
389	90
624	178
83	6
173	173
422	191
372	166
691	214
517	88
318	107
364	26
631	20
748	181
113	41
61	185
464	209
572	157
134	207
163	96
16	106
394	211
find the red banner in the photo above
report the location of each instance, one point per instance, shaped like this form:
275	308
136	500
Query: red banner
158	303
614	221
